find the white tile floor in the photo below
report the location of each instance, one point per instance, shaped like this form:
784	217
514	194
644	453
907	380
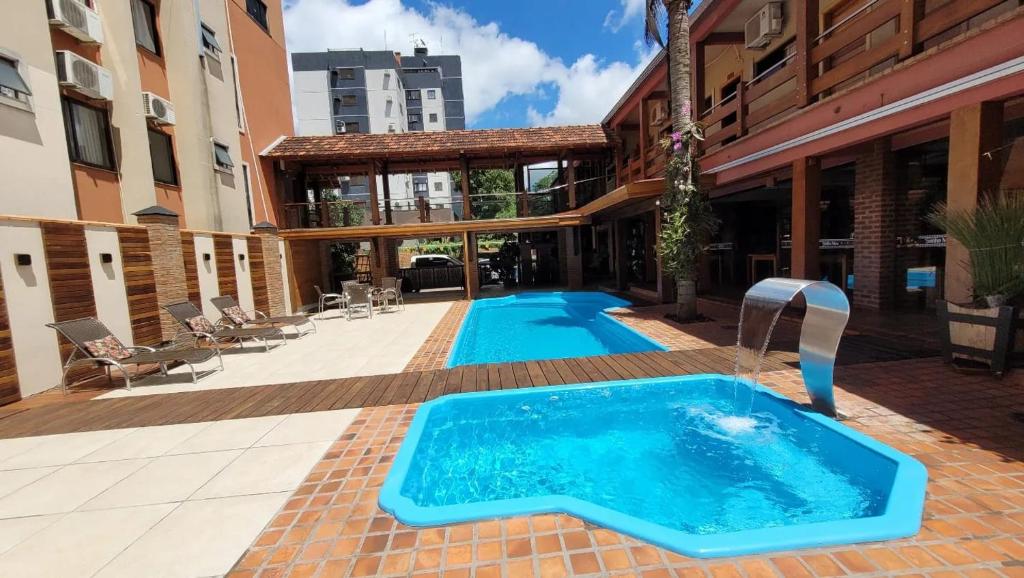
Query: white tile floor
179	501
340	348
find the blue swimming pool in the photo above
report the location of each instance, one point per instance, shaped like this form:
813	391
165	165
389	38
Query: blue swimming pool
555	325
664	460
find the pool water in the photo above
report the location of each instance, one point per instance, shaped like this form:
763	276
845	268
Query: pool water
554	325
668	460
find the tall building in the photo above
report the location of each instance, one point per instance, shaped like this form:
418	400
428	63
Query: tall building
111	106
379	91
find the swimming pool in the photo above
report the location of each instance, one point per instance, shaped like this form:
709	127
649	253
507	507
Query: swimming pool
553	325
664	460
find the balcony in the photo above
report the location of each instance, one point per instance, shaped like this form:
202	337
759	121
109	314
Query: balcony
862	42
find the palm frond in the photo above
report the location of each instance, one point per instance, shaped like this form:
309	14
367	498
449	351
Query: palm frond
655	13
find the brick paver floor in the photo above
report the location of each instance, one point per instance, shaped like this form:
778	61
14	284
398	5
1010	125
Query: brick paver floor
966	429
434	351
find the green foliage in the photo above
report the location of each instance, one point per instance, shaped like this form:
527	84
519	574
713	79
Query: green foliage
993	233
344	213
687	219
493	193
343	260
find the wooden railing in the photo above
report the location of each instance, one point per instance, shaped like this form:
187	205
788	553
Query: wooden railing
830	62
324	214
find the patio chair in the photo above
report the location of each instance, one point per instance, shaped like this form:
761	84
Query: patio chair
195	323
390	291
359	296
96	344
326	300
233	315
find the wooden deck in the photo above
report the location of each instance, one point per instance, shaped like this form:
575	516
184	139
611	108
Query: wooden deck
378	390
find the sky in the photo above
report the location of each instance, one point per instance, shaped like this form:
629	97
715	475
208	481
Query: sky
524	62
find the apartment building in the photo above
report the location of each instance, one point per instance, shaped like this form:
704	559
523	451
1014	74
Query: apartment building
108	107
361	91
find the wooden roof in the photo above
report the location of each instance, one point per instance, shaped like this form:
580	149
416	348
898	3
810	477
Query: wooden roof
443	145
438	229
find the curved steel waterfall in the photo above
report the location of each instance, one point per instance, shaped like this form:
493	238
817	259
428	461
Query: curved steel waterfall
827	313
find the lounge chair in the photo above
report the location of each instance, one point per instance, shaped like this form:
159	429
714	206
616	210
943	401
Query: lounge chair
96	344
233	315
195	323
326	300
359	296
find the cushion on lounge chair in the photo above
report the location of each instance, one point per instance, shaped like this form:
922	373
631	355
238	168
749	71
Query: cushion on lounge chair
108	347
200	324
236	315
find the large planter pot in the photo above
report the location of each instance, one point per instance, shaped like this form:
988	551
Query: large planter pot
978	334
686	297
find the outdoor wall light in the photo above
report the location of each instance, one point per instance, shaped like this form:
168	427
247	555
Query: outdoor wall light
23	259
206	256
106	258
241	256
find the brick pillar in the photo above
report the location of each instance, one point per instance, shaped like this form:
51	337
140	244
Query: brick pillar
168	262
273	272
973	130
874	227
572	258
806	219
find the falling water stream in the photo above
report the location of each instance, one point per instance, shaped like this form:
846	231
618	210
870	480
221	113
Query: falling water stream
758	316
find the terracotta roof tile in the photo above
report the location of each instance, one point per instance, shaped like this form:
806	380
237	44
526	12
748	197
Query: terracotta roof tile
443	144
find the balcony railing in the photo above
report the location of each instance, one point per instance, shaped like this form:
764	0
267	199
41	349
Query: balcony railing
871	39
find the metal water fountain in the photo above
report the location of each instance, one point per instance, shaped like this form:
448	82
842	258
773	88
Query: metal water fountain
828	310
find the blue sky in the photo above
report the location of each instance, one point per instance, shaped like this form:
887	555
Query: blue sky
525	62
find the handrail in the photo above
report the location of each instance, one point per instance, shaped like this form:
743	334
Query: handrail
849	17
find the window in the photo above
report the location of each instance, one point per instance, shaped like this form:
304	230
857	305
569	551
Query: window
346	73
248	194
351	127
349	100
12	85
222	157
391	128
209	38
413	117
88	133
432	117
412	95
438	186
238	95
144	22
774	58
161	150
431	94
389	108
387	81
419	188
258	11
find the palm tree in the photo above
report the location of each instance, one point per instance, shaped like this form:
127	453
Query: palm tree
687	221
678	48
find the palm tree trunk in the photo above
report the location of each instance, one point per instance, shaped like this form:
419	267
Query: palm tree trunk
679	88
678	58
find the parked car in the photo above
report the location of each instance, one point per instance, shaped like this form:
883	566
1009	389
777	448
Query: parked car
425	261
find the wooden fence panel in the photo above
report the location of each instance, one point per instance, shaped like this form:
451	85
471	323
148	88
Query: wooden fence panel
188	252
227	283
67	266
140	285
258	274
10	391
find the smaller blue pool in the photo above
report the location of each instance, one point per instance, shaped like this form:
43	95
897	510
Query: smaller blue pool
556	325
677	462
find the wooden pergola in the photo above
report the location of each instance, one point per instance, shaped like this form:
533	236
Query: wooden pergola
459	150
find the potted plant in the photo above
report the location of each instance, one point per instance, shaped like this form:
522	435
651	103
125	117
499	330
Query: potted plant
993	234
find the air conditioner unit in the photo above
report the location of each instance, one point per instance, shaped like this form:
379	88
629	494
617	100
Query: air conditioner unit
76	19
765	25
339	126
88	78
659	112
159	110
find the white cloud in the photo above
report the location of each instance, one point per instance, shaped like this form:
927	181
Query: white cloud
495	65
616	19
